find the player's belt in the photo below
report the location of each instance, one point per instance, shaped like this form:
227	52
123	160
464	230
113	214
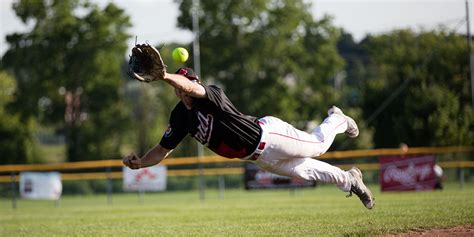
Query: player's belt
257	152
261	145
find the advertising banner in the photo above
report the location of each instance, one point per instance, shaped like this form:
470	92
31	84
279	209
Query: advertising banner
256	178
146	179
407	173
40	185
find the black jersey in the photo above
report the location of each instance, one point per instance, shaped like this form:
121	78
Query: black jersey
216	123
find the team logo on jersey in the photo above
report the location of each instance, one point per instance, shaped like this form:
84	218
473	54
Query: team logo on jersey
203	134
168	131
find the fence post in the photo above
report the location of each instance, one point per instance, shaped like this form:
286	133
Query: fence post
109	186
292	191
13	190
221	183
202	179
141	195
461	177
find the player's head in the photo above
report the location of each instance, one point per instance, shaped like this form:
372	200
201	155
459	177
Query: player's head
191	75
188	73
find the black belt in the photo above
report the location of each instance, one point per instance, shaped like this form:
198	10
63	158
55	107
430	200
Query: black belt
257	153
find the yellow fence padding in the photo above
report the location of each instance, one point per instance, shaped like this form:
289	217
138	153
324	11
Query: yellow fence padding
218	159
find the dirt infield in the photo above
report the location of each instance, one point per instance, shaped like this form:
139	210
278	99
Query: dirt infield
464	230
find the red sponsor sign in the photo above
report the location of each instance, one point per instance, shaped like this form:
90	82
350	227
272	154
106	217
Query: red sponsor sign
407	173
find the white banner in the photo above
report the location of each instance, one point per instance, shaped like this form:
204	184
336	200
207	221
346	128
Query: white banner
146	179
41	185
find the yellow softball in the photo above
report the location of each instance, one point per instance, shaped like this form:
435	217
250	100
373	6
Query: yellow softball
180	55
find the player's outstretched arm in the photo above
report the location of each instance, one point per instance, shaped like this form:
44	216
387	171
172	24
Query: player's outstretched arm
154	156
182	83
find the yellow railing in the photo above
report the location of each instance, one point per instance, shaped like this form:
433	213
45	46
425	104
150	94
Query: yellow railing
389	152
119	174
218	159
219	171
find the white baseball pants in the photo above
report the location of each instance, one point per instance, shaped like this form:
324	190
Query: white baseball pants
288	151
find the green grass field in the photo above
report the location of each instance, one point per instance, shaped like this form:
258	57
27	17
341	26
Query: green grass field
323	211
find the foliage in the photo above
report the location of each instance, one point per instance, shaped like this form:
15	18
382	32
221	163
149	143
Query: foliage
271	57
68	72
350	82
16	142
429	71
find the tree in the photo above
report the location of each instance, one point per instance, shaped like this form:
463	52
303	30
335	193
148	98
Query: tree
355	71
426	75
16	143
351	82
71	58
271	57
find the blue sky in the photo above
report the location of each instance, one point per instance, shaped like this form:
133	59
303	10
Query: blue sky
155	20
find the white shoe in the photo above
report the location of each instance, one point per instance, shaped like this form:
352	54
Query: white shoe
352	129
358	187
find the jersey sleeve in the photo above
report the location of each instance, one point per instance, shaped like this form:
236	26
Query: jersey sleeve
175	132
215	95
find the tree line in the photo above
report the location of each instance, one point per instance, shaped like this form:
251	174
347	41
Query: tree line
271	57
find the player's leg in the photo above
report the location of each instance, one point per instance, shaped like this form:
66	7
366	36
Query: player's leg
319	171
288	142
287	146
309	169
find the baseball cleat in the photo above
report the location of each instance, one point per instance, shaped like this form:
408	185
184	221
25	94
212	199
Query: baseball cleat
352	129
358	187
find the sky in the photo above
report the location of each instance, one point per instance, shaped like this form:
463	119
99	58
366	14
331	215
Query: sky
155	20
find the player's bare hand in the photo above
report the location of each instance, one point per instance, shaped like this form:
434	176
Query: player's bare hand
132	161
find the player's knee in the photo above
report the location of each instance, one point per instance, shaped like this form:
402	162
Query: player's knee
303	173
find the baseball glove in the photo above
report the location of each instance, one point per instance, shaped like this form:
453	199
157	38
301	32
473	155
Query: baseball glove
146	64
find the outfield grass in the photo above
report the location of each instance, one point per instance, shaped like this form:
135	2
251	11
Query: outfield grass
323	211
